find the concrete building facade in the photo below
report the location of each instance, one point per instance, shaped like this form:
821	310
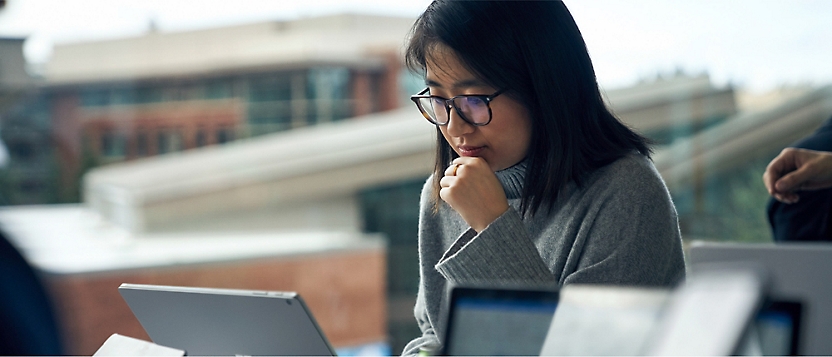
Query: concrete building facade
123	99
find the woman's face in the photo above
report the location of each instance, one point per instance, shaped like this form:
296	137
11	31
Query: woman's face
505	140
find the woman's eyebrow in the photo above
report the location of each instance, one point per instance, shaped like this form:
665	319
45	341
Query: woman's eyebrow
465	83
432	83
469	83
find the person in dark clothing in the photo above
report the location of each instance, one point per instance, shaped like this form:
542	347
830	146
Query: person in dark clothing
801	205
27	322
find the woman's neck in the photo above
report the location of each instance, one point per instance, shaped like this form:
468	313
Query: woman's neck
512	179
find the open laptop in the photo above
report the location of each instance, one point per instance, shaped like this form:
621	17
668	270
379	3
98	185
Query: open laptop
777	326
603	320
210	322
498	321
711	313
800	284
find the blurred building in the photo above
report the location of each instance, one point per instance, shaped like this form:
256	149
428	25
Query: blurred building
115	100
25	138
668	108
153	108
162	93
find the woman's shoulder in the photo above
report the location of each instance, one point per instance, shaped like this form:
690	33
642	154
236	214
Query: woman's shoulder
427	187
426	197
635	163
633	172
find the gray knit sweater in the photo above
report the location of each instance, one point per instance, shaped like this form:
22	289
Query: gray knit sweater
619	228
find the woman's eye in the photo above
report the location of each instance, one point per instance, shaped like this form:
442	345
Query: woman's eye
473	100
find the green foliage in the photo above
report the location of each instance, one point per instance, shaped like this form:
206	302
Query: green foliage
732	206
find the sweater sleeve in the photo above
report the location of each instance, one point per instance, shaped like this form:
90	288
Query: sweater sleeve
430	248
429	341
503	251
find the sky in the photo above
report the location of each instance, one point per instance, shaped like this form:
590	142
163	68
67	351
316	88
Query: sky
753	44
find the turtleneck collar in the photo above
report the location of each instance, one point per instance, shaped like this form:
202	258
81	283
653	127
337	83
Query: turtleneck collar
512	179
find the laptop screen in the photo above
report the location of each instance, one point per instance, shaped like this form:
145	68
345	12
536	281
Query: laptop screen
778	326
496	322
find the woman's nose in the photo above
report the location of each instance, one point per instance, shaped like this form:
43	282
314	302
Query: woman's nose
456	125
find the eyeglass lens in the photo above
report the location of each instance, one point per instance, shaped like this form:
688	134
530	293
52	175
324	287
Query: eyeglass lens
474	109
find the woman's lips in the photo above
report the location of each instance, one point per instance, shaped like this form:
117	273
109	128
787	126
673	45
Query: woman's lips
470	150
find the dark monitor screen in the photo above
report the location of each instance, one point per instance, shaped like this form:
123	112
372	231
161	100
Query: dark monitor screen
778	327
498	322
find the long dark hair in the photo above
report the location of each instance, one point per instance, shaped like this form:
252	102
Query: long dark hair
534	50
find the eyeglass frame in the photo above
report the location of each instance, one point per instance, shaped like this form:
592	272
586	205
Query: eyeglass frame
449	102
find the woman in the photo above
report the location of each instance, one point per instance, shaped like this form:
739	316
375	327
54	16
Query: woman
536	182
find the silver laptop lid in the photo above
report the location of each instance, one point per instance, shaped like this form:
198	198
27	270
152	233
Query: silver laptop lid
799	272
204	321
709	315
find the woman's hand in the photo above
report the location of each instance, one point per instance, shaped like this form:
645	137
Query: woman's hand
472	189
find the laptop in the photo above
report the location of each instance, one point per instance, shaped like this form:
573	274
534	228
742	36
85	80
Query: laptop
801	291
777	328
211	322
604	320
498	321
711	313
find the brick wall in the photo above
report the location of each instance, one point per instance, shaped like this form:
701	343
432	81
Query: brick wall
344	290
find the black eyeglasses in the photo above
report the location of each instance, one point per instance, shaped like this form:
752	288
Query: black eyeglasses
474	109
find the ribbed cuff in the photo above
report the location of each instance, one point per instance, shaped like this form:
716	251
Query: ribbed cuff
503	251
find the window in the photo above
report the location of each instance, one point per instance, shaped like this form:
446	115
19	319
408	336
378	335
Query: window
94	97
112	144
142	145
269	118
146	95
272	87
328	88
169	140
328	83
201	139
224	135
162	144
218	89
123	95
270	103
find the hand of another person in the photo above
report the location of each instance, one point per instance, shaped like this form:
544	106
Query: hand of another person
472	189
797	170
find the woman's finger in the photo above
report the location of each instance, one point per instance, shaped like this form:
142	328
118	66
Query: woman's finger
453	170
